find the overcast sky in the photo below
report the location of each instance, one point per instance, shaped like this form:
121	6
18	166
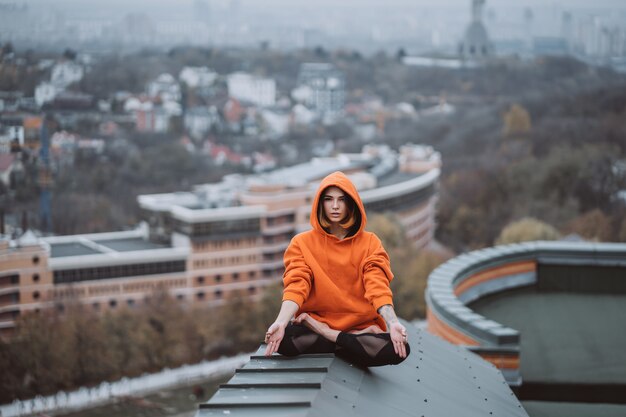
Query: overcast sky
355	23
617	4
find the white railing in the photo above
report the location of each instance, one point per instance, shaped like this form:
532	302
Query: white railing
108	391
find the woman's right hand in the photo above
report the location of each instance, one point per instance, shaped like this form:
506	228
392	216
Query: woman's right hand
273	337
276	332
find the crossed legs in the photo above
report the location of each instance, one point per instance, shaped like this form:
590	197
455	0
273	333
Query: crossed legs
367	347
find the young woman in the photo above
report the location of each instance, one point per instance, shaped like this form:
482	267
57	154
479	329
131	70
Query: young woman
336	284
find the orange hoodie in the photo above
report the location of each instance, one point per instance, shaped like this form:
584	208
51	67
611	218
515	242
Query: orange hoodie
339	282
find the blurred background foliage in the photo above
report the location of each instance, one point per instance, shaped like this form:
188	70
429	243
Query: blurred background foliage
52	352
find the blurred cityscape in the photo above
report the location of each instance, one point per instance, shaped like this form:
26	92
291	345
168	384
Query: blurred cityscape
157	157
594	32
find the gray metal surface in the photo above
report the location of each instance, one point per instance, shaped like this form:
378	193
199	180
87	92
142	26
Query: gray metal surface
568	337
553	409
437	379
58	250
129	244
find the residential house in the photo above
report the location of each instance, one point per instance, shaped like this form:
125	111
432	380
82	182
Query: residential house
256	90
165	87
197	77
6	167
199	120
321	87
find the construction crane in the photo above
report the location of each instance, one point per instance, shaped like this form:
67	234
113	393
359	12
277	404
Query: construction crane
45	178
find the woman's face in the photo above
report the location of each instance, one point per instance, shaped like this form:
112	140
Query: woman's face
334	201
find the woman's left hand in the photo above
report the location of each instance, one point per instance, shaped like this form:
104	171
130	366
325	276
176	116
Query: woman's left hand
398	338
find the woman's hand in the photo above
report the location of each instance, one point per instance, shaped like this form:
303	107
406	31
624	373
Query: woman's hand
276	332
396	330
273	337
399	338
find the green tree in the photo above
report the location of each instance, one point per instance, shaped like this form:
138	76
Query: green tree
410	266
517	121
409	286
388	230
269	306
527	229
593	225
87	345
38	357
122	328
160	337
622	231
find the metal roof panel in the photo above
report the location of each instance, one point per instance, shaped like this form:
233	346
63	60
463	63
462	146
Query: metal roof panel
437	379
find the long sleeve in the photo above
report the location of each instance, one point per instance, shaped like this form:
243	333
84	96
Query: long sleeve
298	275
377	275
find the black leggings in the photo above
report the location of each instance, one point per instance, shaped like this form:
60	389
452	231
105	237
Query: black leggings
366	349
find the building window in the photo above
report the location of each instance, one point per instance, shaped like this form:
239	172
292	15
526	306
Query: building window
36	295
251	289
35	260
120	271
200	295
35	277
130	302
112	303
8	280
218	278
96	306
236	275
180	297
200	280
218	293
252	274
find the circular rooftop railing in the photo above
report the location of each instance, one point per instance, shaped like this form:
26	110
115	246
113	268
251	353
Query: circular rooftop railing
468	277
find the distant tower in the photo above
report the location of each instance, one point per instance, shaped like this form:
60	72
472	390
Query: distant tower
476	44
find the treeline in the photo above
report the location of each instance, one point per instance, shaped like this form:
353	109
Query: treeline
566	169
99	193
559	158
54	351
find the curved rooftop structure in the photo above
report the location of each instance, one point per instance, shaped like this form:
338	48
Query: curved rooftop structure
550	315
437	379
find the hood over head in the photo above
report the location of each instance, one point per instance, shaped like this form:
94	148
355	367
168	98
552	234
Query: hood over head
340	180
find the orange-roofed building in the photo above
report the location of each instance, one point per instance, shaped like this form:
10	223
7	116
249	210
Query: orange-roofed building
32	125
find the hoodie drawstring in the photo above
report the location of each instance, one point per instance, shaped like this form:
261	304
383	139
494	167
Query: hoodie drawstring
352	255
326	251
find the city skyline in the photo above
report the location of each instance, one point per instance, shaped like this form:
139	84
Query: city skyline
368	26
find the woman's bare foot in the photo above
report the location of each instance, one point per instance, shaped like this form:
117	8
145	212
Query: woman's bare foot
370	329
318	327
